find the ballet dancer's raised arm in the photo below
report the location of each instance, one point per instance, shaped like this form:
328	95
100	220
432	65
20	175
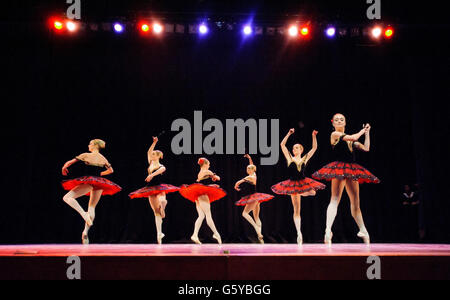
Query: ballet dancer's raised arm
285	151
366	146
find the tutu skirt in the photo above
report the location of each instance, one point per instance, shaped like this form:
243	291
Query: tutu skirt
343	170
98	183
256	197
153	190
291	187
195	190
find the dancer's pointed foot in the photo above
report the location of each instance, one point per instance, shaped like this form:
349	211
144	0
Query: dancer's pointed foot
299	239
217	237
85	238
260	236
365	237
160	237
261	239
196	240
328	237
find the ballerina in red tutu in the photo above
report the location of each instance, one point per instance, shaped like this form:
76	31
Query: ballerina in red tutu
155	190
344	172
251	199
87	179
298	184
203	194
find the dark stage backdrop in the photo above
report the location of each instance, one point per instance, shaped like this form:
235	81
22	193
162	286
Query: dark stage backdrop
62	92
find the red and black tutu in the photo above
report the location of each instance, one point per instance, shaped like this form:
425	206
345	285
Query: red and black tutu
153	190
344	170
195	190
291	187
98	183
256	197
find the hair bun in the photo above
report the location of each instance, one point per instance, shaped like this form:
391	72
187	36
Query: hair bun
201	161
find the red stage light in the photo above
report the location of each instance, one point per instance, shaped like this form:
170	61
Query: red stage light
58	25
145	27
389	32
304	31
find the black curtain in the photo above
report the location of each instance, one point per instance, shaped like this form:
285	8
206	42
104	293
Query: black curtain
61	92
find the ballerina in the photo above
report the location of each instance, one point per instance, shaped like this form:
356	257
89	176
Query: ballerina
155	190
88	180
251	199
298	184
203	195
345	173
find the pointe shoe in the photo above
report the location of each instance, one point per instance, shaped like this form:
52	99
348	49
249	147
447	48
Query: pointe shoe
160	237
365	237
328	237
84	238
260	236
300	239
195	240
217	237
261	239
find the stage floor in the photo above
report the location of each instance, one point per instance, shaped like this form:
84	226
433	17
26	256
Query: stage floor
227	250
226	262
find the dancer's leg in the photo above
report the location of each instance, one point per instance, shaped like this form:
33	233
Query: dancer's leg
156	207
205	205
337	187
198	223
93	201
256	214
352	188
163	203
71	196
247	209
296	204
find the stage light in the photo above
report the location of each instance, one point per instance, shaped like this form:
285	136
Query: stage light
157	28
58	25
304	31
203	29
71	26
247	30
293	31
118	27
144	27
376	32
389	32
331	32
